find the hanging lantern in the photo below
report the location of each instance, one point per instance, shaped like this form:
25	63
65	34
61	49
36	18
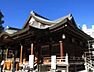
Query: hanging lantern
63	36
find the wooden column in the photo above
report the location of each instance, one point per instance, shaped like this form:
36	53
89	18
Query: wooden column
6	53
32	49
61	49
21	51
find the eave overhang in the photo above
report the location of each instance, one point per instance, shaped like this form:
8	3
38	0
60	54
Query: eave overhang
5	38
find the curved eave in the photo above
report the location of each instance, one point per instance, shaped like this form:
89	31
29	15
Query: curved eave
3	33
59	24
25	32
48	22
5	37
26	23
20	32
86	36
79	32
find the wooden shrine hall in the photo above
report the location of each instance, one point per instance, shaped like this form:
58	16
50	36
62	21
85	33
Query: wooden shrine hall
43	38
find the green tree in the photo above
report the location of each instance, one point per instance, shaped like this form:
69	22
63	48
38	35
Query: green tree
1	22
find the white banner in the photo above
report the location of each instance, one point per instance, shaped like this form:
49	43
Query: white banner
63	71
53	62
31	61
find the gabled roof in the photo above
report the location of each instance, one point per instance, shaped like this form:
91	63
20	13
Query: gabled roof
49	22
46	21
12	28
66	20
55	23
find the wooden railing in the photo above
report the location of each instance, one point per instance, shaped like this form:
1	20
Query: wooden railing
59	60
64	60
89	64
76	60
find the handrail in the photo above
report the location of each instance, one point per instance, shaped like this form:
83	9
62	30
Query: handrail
89	64
75	58
59	60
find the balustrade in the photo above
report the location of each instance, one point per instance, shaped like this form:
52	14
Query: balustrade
59	60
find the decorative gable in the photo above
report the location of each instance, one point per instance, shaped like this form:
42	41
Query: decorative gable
37	24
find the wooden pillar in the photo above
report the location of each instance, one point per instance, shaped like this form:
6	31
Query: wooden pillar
61	49
32	49
6	53
21	51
